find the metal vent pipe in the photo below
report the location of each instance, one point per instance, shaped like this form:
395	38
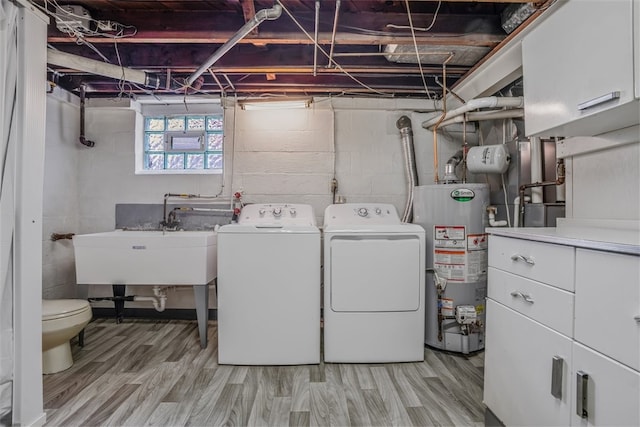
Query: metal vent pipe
258	18
406	134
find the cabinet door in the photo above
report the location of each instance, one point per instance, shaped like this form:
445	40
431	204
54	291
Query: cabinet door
611	391
607	304
580	54
519	357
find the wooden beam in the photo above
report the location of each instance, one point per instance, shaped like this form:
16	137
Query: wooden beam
432	39
249	11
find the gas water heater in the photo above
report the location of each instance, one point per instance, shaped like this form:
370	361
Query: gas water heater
454	217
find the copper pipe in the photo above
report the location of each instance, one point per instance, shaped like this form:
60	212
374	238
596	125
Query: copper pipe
560	174
444	114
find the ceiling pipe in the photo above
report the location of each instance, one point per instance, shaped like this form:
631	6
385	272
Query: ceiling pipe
476	116
258	18
80	63
315	40
83	140
475	104
333	33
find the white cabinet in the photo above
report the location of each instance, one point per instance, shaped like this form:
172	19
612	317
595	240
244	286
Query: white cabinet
610	390
608	304
529	329
519	371
589	327
580	71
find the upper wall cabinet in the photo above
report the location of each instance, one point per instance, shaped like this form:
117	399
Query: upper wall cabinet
580	68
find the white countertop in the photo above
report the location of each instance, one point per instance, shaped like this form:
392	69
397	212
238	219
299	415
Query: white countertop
604	239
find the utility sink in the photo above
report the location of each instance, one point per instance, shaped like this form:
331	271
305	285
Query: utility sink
156	258
146	257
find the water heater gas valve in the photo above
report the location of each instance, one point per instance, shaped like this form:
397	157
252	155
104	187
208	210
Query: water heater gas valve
466	314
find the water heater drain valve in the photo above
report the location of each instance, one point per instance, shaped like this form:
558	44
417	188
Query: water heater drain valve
466	314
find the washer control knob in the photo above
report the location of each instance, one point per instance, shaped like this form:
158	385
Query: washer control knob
261	212
292	211
363	212
277	212
378	211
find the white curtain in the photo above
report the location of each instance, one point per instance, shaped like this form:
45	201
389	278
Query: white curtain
8	82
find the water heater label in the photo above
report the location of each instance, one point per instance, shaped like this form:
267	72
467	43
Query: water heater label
458	256
462	194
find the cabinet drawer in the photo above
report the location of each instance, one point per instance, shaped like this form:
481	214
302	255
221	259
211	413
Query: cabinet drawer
550	306
608	304
544	262
519	374
611	390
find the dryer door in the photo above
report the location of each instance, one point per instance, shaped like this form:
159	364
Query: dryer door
375	273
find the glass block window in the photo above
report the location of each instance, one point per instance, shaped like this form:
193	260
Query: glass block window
187	142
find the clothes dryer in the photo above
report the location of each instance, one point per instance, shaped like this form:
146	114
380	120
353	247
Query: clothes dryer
269	287
373	285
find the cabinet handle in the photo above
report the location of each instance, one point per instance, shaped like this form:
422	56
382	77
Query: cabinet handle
582	382
524	296
518	257
637	318
557	364
599	100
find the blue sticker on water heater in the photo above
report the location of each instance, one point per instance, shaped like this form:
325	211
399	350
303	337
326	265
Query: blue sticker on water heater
462	194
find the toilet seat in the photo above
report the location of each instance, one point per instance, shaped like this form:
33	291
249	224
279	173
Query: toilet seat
61	308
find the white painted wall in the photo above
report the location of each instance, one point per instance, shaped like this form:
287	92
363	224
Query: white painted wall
60	204
606	184
272	156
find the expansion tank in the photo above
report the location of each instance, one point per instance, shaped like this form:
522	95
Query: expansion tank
454	217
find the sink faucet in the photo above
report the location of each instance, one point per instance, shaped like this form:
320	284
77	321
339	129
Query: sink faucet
171	223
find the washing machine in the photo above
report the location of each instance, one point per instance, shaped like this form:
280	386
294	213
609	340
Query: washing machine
269	287
374	285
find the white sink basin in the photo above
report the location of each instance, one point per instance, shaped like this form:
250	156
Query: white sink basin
146	257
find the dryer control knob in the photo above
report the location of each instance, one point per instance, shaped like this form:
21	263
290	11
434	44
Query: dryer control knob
277	212
378	211
292	212
363	212
261	212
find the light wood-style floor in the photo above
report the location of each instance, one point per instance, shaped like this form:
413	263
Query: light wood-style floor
153	372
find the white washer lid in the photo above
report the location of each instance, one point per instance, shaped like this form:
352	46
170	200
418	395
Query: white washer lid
58	308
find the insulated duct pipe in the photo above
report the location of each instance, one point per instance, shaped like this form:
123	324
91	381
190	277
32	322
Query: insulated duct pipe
406	134
484	115
100	68
258	18
475	104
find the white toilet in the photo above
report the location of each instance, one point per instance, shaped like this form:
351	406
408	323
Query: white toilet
62	319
